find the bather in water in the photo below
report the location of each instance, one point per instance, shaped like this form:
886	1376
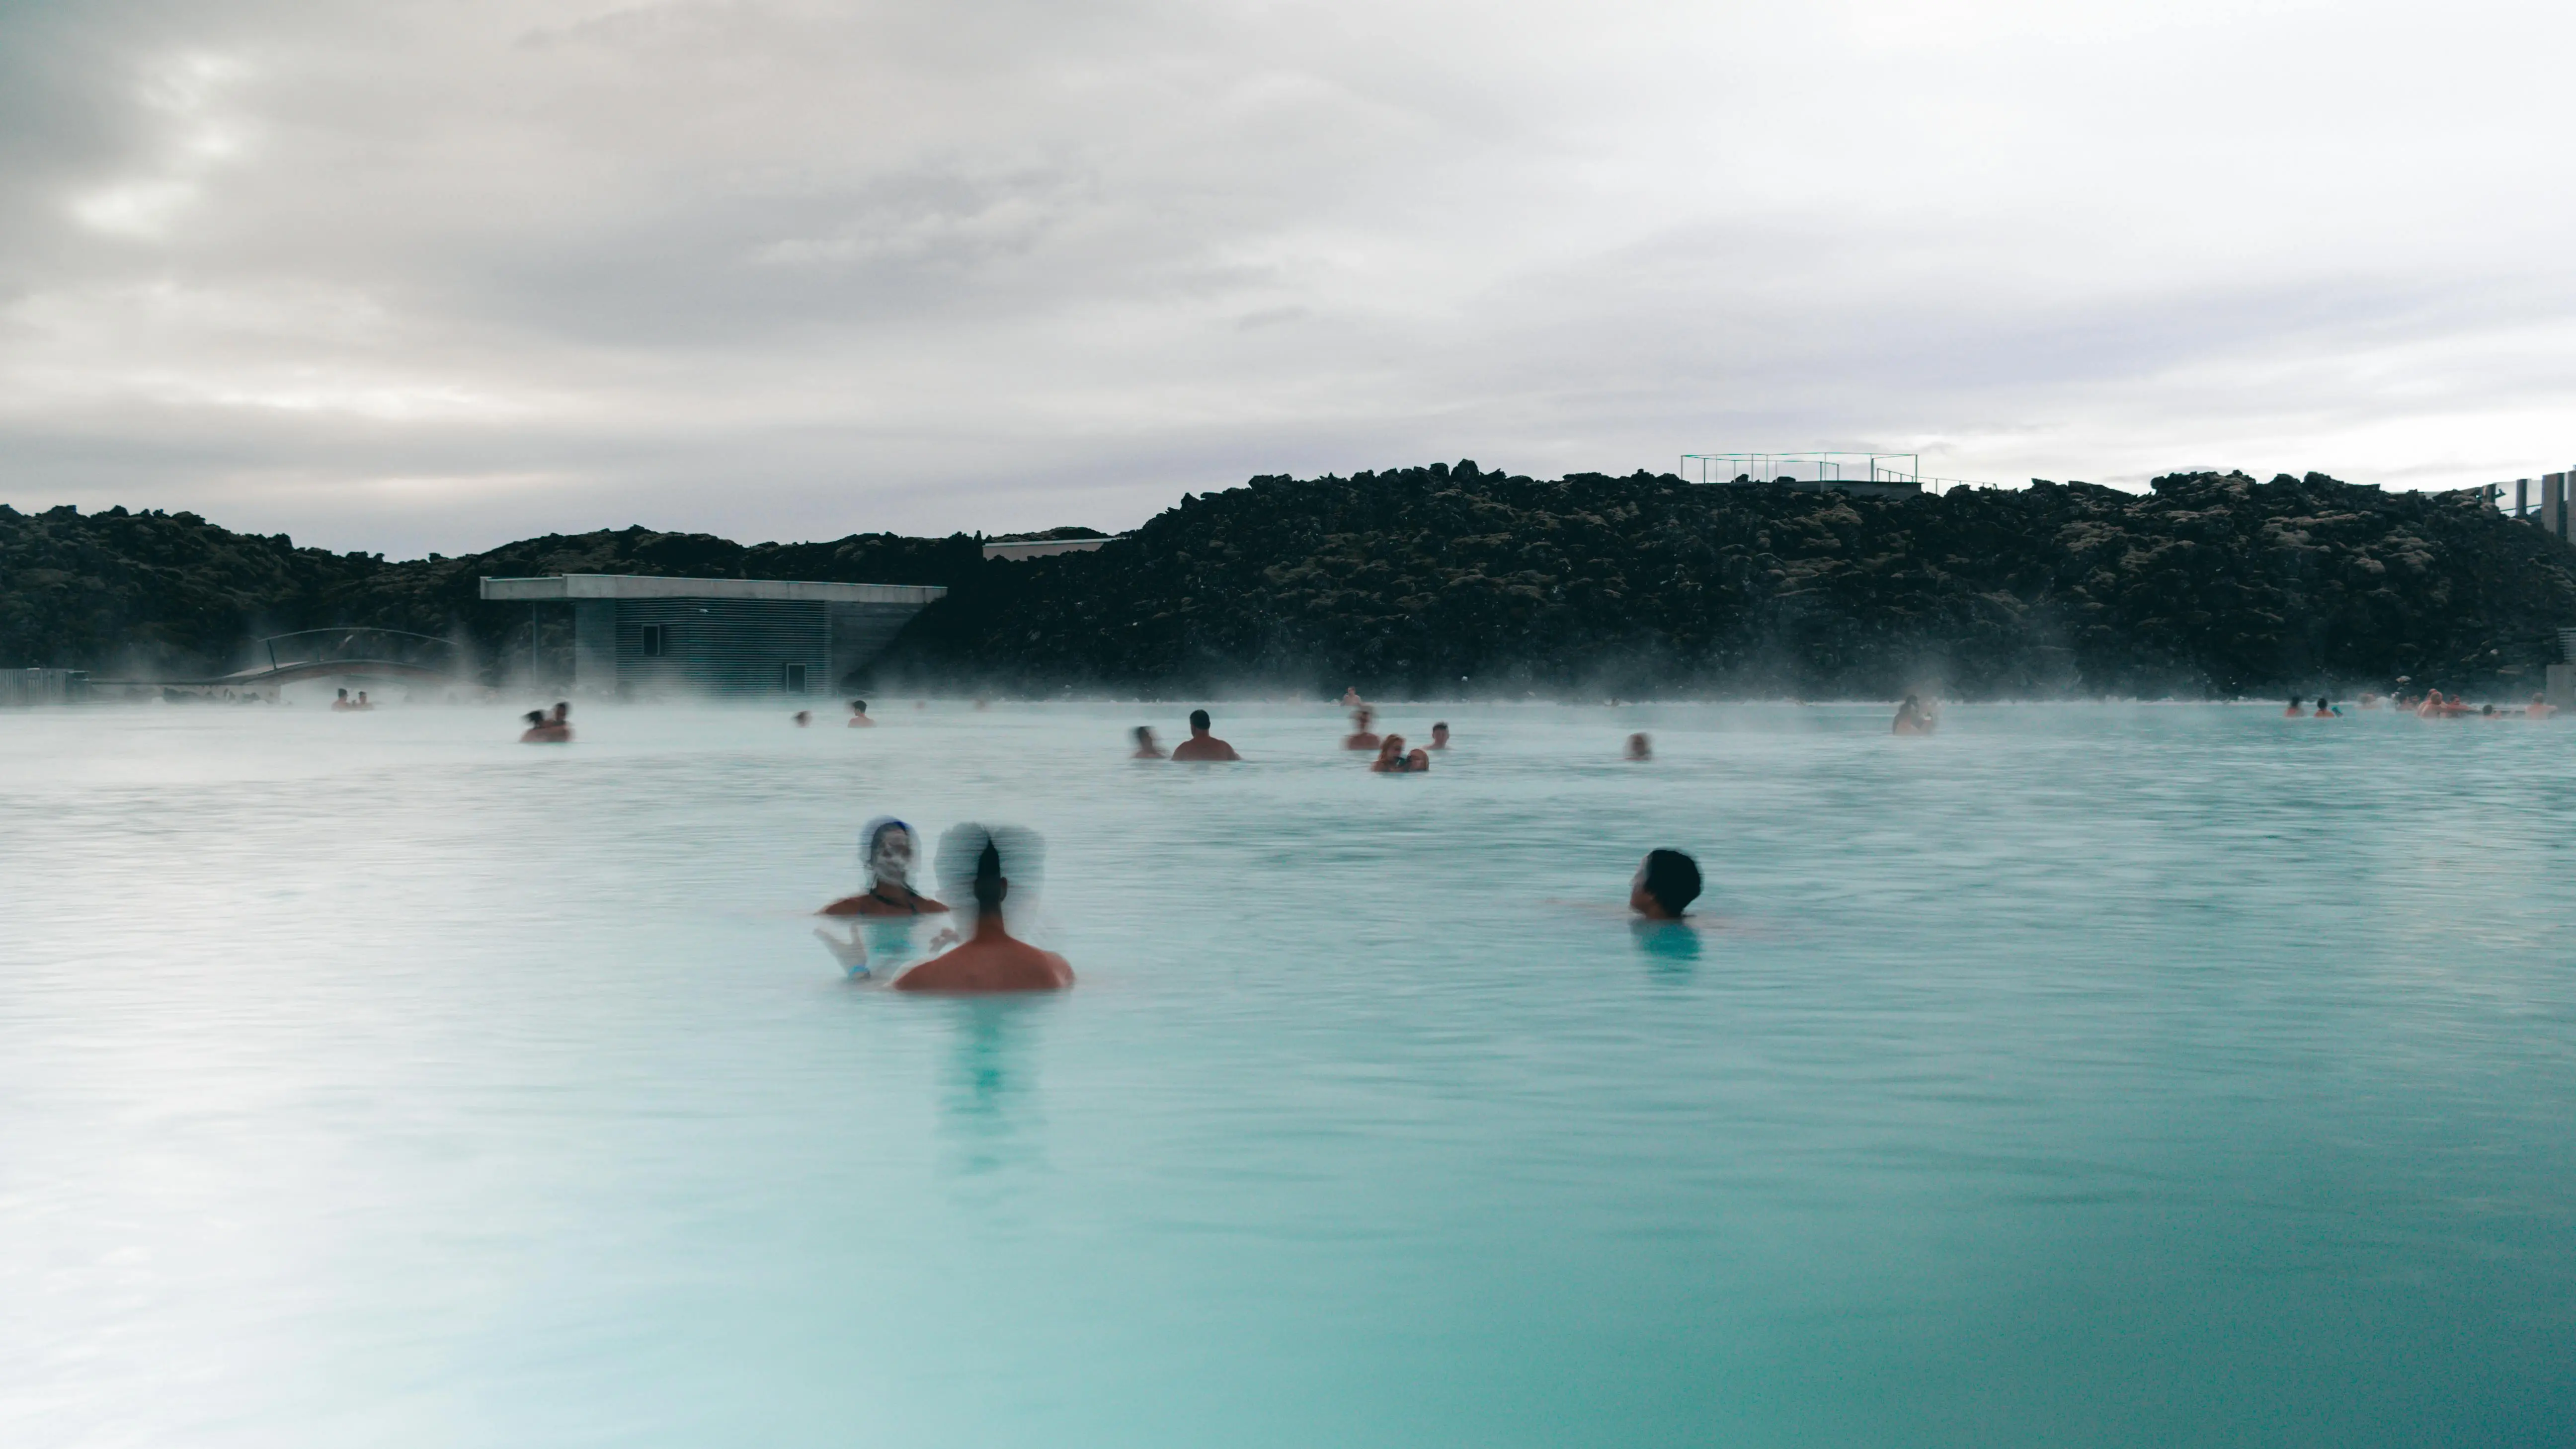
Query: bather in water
991	959
1201	745
1147	748
858	719
1393	759
890	850
1640	747
1361	736
1664	886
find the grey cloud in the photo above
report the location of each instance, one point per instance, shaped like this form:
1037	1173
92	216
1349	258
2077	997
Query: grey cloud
421	276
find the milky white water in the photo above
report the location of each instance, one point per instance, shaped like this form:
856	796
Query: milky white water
2084	1075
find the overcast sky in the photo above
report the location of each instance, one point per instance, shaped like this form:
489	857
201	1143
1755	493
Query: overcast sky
434	276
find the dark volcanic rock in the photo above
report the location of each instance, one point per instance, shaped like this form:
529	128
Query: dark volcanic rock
1433	581
172	594
152	591
1440	580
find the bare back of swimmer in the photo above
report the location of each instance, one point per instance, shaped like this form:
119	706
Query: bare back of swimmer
1201	745
991	960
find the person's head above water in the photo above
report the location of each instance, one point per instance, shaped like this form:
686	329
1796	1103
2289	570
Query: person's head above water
888	848
981	860
1665	885
1199	722
858	706
536	717
990	884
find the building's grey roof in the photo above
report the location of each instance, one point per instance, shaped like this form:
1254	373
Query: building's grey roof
1041	547
647	586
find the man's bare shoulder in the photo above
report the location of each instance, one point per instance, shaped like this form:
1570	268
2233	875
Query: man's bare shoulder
1015	966
1207	749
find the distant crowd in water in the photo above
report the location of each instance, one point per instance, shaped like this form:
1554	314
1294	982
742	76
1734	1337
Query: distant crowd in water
979	860
2431	704
991	959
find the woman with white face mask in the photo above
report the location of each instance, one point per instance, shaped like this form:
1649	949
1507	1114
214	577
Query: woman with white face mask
890	850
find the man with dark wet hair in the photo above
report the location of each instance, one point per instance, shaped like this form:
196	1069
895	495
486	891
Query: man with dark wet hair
1201	745
1665	885
1440	735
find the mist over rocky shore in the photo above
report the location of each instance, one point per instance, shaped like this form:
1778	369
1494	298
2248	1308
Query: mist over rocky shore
1449	580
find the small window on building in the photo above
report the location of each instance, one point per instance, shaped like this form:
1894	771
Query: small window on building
795	679
652	641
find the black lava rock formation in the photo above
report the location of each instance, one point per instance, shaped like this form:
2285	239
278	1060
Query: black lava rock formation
1440	581
1444	581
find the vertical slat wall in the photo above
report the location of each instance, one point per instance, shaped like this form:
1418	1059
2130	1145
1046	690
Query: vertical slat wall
43	686
2551	511
861	632
724	646
594	644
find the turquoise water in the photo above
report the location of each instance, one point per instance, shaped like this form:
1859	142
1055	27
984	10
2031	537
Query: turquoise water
2084	1075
